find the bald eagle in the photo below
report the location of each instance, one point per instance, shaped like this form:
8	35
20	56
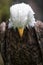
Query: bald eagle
20	45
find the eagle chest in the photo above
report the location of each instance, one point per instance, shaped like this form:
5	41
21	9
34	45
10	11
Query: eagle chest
21	50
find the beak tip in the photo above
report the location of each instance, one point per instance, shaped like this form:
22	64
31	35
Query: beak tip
21	30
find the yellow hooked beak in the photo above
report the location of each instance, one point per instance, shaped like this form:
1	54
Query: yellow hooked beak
20	30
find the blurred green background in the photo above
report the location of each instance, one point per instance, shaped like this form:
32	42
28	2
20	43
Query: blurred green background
4	9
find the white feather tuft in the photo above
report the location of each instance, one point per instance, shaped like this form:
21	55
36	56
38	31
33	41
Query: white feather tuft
21	15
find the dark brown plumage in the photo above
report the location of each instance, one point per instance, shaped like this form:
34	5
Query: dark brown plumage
21	51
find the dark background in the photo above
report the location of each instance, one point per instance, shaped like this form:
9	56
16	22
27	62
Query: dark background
37	6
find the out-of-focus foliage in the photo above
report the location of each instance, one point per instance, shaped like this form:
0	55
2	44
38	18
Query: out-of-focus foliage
4	9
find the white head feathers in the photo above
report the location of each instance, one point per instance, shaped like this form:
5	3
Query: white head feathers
21	15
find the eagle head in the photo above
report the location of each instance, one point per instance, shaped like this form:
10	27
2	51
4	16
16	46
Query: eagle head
21	15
